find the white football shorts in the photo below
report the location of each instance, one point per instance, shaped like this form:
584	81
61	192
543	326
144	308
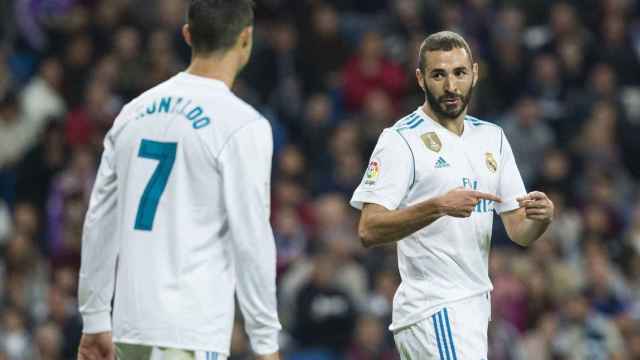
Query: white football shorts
456	332
143	352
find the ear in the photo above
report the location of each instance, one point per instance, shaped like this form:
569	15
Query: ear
246	37
475	74
420	78
186	34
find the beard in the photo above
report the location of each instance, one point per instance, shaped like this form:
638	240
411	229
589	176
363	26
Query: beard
442	110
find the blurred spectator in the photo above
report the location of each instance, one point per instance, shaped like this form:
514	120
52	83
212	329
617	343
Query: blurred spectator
384	288
370	70
509	296
537	343
584	334
510	64
323	50
634	344
68	199
604	287
556	175
369	341
407	20
616	47
88	123
325	316
17	133
131	74
47	342
343	247
5	222
566	228
602	85
36	171
77	63
546	85
6	80
501	334
61	311
42	98
161	59
290	238
280	87
529	136
377	114
15	340
318	124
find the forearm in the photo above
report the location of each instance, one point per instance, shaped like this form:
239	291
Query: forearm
529	231
386	227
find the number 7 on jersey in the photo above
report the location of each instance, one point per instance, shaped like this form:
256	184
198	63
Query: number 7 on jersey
165	153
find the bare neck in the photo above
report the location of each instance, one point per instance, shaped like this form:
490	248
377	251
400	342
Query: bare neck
224	68
456	125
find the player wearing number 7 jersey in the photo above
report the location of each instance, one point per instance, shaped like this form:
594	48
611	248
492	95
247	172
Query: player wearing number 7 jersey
178	220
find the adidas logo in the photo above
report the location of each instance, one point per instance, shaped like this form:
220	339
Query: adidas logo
441	163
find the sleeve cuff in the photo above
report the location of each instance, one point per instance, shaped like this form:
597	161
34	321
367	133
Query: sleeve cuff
507	205
96	322
265	344
360	198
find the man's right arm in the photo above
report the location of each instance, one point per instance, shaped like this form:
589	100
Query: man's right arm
379	226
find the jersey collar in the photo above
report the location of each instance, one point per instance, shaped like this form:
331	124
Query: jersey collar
202	80
465	128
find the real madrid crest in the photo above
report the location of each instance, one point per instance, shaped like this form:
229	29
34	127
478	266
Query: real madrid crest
491	162
431	141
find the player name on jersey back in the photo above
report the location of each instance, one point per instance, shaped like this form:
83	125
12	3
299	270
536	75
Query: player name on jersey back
177	105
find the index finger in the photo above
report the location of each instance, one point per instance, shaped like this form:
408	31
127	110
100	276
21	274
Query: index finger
487	196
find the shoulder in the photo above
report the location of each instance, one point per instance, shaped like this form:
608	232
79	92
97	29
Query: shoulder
244	111
482	128
241	115
409	122
477	123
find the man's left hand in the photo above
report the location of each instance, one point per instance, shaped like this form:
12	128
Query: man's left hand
537	206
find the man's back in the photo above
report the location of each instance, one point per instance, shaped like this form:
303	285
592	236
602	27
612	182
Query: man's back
175	156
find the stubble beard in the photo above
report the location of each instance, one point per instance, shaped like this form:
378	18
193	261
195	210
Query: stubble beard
439	108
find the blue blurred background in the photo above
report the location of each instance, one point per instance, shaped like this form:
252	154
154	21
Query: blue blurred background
561	77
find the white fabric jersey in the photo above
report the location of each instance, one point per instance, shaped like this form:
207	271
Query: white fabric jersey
179	221
418	159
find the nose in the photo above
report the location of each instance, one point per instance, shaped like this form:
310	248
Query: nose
449	84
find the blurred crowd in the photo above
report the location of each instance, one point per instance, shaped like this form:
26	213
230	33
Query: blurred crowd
561	77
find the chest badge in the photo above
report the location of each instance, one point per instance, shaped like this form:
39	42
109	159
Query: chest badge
431	141
491	162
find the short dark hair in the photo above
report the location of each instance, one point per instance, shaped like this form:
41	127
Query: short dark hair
443	40
215	24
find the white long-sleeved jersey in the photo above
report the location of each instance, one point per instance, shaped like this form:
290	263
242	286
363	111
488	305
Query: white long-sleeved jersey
179	221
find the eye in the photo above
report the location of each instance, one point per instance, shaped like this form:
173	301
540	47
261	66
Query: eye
460	73
437	75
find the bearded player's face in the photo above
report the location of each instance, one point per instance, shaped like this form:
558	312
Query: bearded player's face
447	79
